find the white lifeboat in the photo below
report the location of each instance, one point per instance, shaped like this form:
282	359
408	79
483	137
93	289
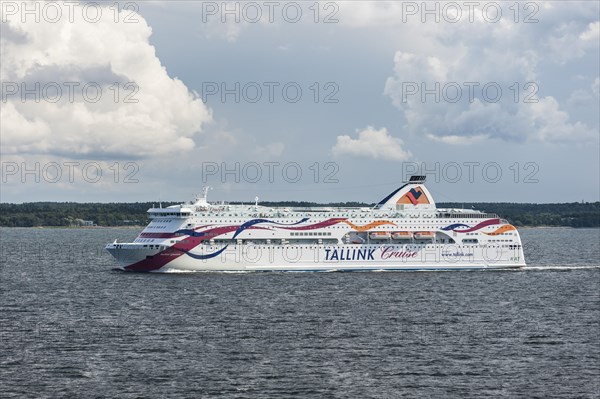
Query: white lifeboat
402	235
424	235
379	235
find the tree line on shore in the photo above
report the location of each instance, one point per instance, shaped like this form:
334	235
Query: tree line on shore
32	214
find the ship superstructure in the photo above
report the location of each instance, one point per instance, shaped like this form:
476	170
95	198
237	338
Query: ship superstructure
403	231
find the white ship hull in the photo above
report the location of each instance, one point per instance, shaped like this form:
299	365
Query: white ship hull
405	231
320	258
290	257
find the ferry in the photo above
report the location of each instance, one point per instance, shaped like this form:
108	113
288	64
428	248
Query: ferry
403	231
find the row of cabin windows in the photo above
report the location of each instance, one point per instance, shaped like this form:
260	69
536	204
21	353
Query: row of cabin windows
499	234
326	246
465	241
310	233
344	226
361	215
320	220
468	215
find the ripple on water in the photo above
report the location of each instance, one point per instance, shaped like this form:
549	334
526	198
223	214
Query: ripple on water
70	326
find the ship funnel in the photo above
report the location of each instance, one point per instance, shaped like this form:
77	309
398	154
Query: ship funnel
412	195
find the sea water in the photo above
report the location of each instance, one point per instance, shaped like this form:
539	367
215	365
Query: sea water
71	326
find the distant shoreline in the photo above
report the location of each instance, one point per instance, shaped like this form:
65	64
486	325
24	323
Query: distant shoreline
135	215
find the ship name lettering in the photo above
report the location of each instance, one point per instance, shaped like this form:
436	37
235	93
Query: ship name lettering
349	254
389	252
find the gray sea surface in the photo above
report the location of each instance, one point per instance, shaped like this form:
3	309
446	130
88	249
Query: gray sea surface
71	326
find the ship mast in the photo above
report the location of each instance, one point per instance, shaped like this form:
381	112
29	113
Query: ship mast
205	192
201	199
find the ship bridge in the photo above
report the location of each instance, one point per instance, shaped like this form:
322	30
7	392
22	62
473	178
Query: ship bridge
174	211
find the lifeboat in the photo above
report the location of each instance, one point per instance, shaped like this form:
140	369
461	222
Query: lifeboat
424	235
379	235
357	240
402	235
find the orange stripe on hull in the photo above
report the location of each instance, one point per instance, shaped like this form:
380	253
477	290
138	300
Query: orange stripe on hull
500	230
369	226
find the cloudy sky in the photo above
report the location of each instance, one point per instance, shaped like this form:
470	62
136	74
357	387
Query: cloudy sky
320	101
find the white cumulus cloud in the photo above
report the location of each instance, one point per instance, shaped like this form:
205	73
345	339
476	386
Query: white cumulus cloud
592	33
520	53
553	124
447	97
140	110
457	140
372	143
